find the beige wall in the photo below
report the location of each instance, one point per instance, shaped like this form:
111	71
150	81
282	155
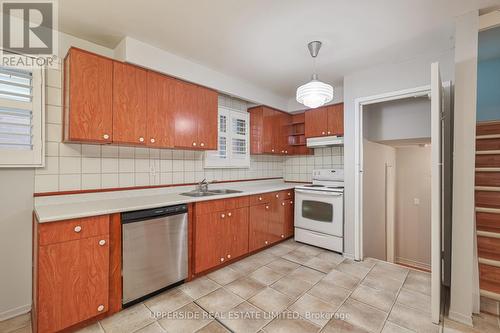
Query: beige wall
376	158
413	221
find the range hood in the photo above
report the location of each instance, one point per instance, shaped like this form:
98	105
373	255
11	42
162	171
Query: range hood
325	141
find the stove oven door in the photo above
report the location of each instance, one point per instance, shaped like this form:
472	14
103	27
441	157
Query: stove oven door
320	211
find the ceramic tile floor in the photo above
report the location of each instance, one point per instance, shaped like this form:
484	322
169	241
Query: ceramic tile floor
288	288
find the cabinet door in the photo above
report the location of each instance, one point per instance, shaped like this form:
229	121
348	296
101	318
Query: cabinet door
258	227
284	131
336	120
160	111
88	97
269	131
185	115
256	130
129	104
207	118
276	220
289	218
208	245
73	282
237	232
316	122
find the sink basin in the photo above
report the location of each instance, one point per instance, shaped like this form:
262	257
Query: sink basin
198	194
224	191
209	193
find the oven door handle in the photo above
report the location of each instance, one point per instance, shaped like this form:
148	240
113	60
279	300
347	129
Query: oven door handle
333	194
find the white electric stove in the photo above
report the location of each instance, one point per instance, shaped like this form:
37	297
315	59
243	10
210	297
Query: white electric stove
319	210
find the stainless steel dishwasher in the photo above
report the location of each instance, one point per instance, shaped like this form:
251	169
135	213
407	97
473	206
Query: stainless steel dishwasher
154	251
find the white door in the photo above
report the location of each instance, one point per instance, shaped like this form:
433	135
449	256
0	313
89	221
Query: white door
436	190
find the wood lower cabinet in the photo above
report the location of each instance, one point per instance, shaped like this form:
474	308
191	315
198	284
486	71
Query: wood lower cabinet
230	228
259	226
208	247
71	272
88	97
289	211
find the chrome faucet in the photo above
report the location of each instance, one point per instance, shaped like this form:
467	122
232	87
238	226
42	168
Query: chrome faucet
203	185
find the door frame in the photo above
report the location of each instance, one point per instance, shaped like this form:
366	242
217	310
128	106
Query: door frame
359	103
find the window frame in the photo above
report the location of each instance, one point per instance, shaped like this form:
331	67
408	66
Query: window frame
212	160
36	156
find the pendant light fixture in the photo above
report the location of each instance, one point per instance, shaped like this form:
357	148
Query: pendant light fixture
314	93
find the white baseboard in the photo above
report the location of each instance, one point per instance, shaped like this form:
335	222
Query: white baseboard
11	313
413	263
461	318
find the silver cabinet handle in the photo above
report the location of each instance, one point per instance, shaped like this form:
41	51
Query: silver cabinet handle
289	193
102	242
141	139
222	215
282	203
323	133
329	132
100	308
77	228
291	202
282	236
260	198
194	144
228	256
272	150
267	207
152	140
277	195
202	144
221	259
286	151
229	214
105	136
266	242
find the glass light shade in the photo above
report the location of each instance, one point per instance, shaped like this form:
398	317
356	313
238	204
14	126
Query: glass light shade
314	94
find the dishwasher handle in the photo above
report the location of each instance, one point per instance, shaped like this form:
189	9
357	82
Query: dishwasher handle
146	214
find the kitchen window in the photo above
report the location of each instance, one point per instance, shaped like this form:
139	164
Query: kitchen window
233	141
21	117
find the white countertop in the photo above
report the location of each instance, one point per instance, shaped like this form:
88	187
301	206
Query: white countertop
63	207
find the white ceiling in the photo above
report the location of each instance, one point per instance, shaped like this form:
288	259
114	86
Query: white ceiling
264	41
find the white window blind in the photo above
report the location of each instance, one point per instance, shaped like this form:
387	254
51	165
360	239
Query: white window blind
21	117
233	142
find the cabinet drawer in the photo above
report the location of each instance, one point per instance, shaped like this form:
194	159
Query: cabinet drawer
235	203
55	232
212	206
260	198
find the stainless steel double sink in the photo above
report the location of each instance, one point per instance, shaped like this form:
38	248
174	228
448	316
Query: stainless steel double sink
197	193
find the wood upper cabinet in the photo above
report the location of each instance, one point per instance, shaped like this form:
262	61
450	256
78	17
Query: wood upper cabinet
335	120
71	274
129	104
268	133
160	110
208	112
195	117
316	122
325	121
88	97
